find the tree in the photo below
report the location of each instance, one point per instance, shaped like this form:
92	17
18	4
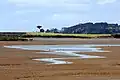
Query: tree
47	31
54	30
39	27
92	28
63	30
42	30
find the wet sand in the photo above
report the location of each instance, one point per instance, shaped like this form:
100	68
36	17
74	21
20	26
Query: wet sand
17	64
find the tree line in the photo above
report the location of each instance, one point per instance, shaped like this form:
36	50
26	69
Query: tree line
86	28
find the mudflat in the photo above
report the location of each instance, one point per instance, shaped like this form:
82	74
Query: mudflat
17	64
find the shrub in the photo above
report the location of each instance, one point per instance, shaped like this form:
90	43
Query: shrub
11	38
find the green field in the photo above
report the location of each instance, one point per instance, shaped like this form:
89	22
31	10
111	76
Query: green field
27	35
60	35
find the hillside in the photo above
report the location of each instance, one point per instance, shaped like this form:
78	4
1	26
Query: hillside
92	28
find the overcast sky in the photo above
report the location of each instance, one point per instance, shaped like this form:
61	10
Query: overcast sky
24	15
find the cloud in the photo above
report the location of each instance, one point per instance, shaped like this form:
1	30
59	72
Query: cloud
26	11
102	2
51	6
47	2
56	13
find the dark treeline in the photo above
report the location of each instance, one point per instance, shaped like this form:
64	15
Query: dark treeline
92	28
89	28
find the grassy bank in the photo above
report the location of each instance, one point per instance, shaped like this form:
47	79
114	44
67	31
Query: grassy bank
28	35
12	38
60	35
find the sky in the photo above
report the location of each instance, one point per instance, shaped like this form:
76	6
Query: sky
25	15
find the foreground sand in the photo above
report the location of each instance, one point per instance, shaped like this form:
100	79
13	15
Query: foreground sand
16	64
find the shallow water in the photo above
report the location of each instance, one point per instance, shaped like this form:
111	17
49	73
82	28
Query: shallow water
53	61
58	47
68	51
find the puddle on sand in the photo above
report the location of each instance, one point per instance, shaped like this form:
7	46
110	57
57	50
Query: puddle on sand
60	60
53	61
60	47
71	54
70	51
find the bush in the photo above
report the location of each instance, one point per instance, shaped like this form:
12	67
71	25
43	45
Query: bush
8	38
116	35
